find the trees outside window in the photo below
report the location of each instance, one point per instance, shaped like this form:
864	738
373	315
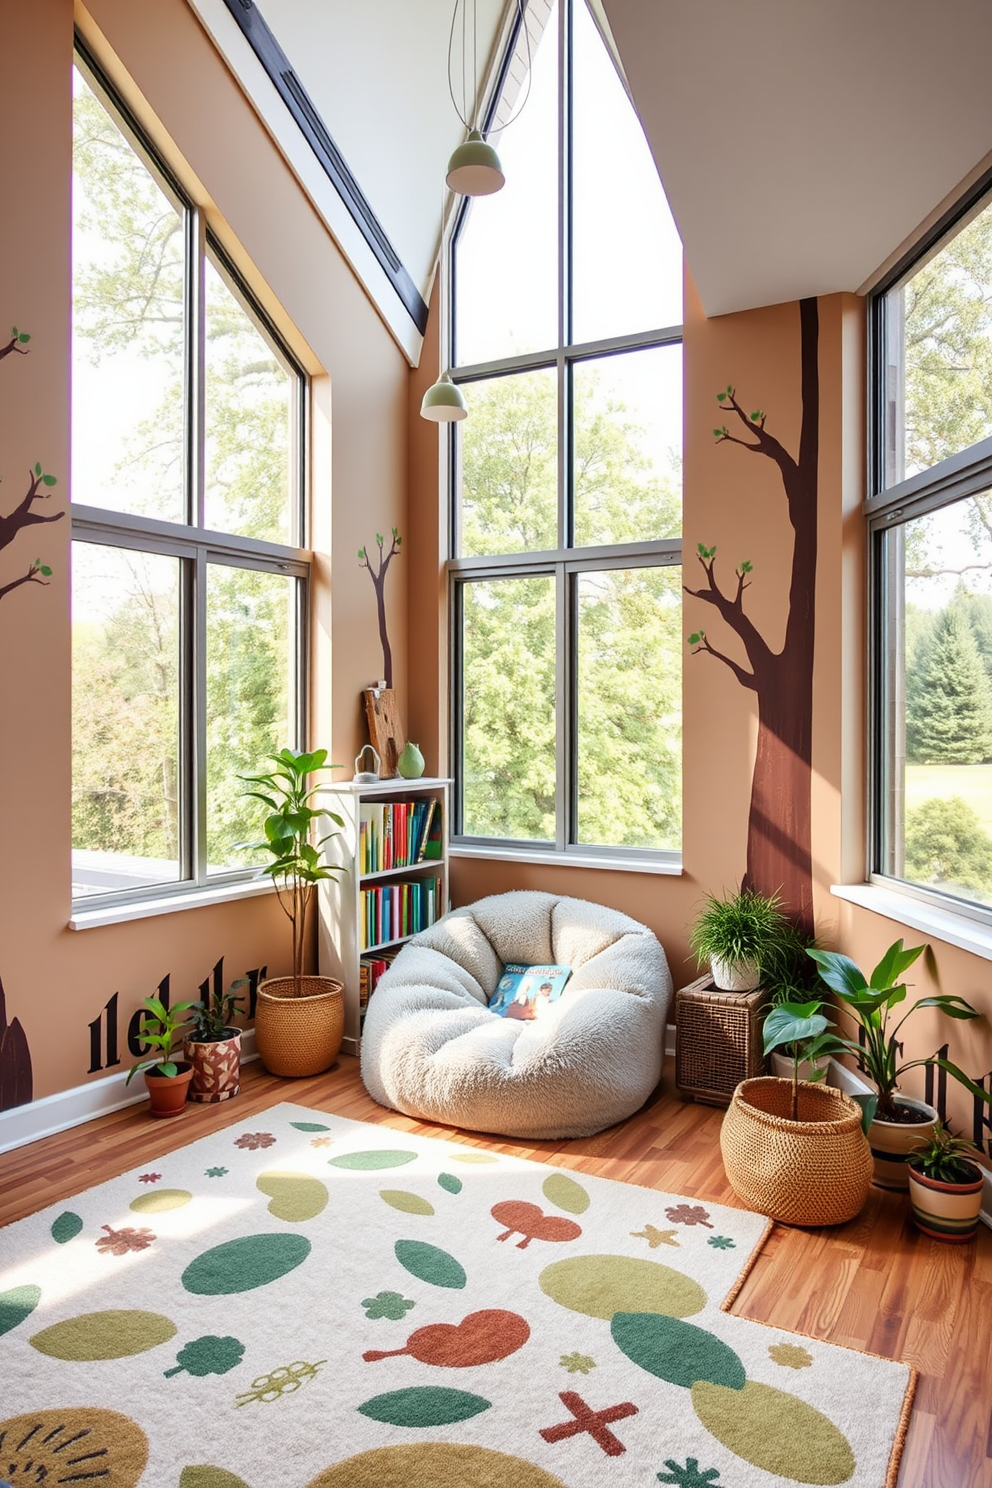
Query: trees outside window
567	485
930	524
190	581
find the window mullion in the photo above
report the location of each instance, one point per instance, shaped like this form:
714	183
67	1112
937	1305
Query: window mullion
564	709
197	691
196	366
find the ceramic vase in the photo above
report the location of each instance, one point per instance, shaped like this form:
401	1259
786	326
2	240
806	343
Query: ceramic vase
411	762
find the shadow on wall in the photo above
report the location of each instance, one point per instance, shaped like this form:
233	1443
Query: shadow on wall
15	1061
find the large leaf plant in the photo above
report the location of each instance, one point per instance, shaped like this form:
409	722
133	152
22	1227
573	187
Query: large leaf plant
296	867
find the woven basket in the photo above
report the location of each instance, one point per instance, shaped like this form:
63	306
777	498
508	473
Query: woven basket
299	1035
815	1171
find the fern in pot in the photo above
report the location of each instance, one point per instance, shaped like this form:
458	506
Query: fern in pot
299	1019
946	1187
746	939
213	1045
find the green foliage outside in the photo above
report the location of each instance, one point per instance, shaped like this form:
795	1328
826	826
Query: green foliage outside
628	624
128	281
948	696
947	846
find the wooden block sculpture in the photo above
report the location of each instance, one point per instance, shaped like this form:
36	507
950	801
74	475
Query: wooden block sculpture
385	729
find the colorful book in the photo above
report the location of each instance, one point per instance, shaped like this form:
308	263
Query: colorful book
526	992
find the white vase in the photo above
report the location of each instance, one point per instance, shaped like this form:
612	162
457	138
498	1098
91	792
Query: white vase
735	976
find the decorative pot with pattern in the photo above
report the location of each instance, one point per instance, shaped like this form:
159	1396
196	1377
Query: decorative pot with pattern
216	1067
946	1211
167	1093
893	1143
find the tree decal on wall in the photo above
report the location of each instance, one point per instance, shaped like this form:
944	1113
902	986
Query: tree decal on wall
378	577
39	484
16	1083
779	838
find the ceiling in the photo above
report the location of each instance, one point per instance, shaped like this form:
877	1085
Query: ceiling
800	142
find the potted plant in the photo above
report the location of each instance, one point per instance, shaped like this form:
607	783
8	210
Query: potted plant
299	1019
795	1149
167	1078
945	1187
745	937
213	1047
900	1122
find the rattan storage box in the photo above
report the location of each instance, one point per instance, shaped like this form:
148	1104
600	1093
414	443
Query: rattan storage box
718	1043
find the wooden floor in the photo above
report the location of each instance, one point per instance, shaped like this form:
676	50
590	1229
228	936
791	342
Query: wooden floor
873	1284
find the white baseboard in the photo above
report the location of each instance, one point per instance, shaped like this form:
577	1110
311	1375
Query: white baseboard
55	1113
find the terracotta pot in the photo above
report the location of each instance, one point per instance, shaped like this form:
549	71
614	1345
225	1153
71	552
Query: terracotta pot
946	1211
298	1036
216	1067
893	1143
814	1171
168	1092
735	976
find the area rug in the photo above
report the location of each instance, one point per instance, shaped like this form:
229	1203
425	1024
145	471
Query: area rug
301	1301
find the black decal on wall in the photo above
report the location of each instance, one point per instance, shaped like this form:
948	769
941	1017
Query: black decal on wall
939	1102
254	977
97	1046
779	834
983	1117
16	1081
218	976
136	1045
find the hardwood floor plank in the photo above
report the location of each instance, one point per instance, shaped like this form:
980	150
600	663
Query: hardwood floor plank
874	1283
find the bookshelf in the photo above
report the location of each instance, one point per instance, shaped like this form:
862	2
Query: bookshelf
348	928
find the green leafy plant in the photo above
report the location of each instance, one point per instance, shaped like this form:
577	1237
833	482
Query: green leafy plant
804	1029
871	1001
211	1016
745	926
161	1028
296	866
946	1158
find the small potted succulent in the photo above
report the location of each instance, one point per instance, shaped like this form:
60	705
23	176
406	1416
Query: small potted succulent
213	1046
796	1149
901	1123
167	1078
945	1187
299	1019
745	937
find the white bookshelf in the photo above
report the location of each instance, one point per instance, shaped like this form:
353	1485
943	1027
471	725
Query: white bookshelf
339	938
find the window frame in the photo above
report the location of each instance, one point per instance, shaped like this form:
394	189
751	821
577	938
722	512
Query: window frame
566	560
888	508
190	541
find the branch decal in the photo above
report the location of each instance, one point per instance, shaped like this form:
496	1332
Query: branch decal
39	489
378	577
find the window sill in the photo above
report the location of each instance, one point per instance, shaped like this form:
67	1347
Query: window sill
145	909
942	924
550	858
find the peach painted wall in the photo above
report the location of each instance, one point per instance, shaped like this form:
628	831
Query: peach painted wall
734	500
58	981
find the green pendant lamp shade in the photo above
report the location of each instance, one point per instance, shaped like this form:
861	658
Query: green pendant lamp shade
474	169
443	403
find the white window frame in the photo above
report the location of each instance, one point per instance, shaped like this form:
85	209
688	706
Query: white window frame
566	561
197	546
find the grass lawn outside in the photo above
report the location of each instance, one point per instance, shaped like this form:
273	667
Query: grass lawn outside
973	783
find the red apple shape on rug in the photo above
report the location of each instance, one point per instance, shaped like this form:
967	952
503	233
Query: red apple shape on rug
531	1222
481	1338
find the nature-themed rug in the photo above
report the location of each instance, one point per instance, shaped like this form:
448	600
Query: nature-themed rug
301	1301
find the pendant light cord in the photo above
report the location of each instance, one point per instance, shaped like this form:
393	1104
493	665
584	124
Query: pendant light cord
472	121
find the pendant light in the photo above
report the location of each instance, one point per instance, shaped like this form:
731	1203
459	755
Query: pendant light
443	402
474	169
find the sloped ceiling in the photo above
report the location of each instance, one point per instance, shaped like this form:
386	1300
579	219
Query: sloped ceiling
801	142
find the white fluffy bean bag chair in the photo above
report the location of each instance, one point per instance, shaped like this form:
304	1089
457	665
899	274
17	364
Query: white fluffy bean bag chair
432	1049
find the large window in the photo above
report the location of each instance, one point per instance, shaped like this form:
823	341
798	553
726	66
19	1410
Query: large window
189	577
930	523
566	339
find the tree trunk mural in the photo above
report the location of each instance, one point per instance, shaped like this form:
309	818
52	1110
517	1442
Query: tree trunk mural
779	839
378	577
15	1061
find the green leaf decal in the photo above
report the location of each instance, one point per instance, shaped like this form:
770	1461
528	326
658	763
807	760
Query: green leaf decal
49	480
474	1157
565	1193
203	1475
114	1334
424	1405
450	1183
17	1304
68	1225
407	1203
246	1263
309	1126
677	1352
429	1263
369	1162
37	468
